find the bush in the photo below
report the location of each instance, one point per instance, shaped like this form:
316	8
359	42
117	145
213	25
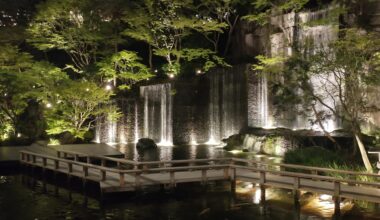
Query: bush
321	157
313	156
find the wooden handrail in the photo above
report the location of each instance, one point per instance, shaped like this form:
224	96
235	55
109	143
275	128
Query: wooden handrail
93	166
309	168
230	162
308	176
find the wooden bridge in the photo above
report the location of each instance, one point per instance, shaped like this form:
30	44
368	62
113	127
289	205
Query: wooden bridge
120	175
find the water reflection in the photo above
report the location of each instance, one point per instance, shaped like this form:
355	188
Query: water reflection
187	202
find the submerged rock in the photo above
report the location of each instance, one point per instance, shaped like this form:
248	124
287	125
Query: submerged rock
146	143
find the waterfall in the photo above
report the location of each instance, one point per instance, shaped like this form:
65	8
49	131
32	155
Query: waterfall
265	119
311	38
225	103
136	123
158	113
214	117
111	131
97	131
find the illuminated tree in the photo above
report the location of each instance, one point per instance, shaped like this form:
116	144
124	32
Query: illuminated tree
74	106
125	66
23	80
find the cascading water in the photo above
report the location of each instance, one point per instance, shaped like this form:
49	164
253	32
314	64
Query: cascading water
158	113
225	103
311	39
262	97
214	117
136	123
111	131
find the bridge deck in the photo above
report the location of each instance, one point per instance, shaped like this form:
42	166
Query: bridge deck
118	175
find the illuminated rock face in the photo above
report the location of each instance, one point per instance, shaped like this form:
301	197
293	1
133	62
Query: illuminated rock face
214	106
293	31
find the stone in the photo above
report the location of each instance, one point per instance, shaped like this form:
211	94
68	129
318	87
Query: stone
234	142
145	143
40	143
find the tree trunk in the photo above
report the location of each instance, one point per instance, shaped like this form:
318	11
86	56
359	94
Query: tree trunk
150	57
363	153
327	134
229	38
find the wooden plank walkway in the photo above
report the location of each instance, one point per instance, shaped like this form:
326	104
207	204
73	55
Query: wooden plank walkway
120	175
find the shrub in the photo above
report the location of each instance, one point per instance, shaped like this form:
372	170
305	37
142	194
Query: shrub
313	156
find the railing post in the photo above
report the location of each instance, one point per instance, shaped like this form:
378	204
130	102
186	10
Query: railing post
103	162
137	180
88	159
145	168
103	175
226	173
296	192
172	178
56	164
70	165
76	157
59	154
85	171
44	162
204	176
34	158
122	180
233	180
262	178
22	156
336	199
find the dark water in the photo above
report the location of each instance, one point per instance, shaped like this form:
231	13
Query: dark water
25	196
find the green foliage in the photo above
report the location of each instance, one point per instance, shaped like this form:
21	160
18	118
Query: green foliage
22	80
269	64
321	157
264	9
313	156
208	57
74	26
75	106
125	66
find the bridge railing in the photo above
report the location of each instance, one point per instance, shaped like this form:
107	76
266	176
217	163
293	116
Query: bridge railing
89	167
308	169
100	172
123	163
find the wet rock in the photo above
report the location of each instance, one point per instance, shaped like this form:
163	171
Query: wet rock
40	143
234	142
146	143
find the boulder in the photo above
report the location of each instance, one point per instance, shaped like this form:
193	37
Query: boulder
146	143
40	143
233	142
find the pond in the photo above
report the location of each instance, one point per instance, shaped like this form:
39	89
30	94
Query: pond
23	196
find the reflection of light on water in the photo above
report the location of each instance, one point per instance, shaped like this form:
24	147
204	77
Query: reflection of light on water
123	139
257	196
323	205
269	127
111	143
165	143
212	141
166	152
193	140
236	151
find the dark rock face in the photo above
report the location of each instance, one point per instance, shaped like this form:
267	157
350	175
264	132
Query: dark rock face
146	143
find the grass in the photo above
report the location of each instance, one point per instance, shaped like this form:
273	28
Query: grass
321	157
